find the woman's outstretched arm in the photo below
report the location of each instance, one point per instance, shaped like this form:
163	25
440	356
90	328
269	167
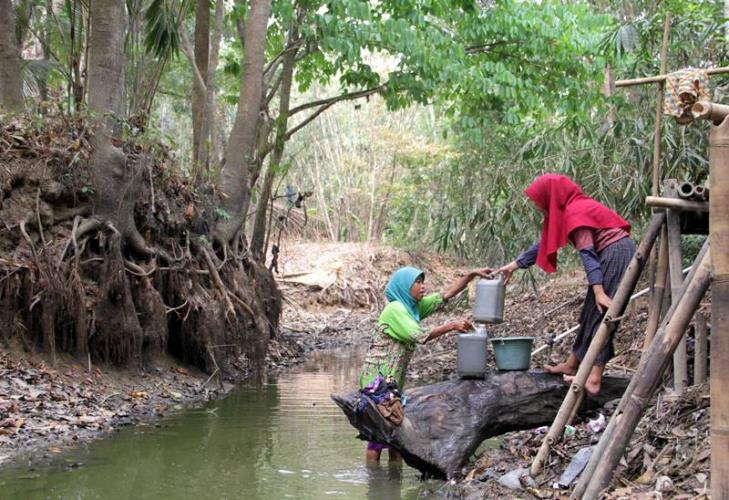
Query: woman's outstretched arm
457	286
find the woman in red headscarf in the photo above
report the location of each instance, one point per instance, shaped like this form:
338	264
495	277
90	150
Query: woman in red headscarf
603	240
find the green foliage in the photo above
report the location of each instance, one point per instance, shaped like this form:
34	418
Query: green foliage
222	213
477	98
161	35
479	210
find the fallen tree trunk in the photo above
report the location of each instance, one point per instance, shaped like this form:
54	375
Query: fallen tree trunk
445	422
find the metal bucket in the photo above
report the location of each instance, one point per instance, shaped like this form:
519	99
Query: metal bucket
512	353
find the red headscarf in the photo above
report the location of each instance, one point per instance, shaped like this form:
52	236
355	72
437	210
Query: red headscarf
566	208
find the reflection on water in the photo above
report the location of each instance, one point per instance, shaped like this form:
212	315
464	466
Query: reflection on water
284	439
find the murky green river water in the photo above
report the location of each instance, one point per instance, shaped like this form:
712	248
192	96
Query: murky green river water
285	439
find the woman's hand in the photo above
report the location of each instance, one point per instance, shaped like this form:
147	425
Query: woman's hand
457	286
507	270
484	272
461	325
602	300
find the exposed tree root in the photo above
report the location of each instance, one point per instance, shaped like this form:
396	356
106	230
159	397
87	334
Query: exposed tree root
99	287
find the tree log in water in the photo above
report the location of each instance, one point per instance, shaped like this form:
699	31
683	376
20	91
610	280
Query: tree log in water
445	422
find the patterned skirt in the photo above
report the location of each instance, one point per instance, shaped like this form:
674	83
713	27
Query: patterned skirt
614	260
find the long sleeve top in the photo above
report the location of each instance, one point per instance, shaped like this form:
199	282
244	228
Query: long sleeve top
588	242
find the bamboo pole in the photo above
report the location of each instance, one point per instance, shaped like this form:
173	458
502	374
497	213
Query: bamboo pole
612	424
702	192
656	304
656	170
647	379
719	234
710	111
677	203
575	408
662	78
656	177
607	327
686	190
701	349
680	364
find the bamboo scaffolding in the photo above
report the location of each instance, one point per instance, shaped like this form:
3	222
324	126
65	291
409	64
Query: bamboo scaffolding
656	174
662	78
606	328
656	304
719	234
647	379
656	171
676	203
673	226
701	349
601	446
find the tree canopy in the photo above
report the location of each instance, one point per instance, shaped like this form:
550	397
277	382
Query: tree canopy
502	90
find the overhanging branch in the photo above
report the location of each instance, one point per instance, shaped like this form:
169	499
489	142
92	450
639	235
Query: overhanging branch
333	100
325	104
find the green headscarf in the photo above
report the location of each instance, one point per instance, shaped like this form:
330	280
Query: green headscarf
398	288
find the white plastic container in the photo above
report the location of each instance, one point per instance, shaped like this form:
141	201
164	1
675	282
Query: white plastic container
472	354
488	305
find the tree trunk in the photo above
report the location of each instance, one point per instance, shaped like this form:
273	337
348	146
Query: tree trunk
46	48
106	62
116	183
258	235
234	176
207	155
11	83
445	422
199	93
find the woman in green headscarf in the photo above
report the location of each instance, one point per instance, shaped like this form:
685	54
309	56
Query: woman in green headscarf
398	330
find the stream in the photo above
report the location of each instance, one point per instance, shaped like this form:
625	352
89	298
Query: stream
282	439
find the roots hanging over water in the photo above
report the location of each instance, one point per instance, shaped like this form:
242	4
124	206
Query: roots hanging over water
70	284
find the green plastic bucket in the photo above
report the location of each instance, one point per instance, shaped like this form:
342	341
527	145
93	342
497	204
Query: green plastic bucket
512	353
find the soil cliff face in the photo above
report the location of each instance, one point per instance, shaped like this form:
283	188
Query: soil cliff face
70	283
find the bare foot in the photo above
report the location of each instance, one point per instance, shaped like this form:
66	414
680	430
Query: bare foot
565	368
592	387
